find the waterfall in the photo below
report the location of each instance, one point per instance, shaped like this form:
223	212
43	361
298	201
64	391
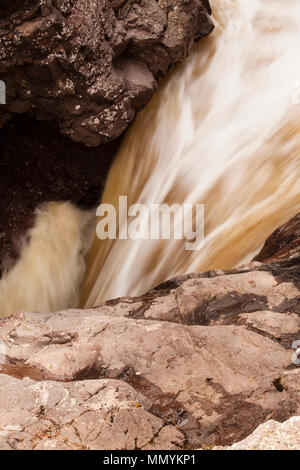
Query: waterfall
47	276
223	130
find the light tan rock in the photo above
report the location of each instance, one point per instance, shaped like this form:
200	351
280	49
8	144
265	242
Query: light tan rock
272	436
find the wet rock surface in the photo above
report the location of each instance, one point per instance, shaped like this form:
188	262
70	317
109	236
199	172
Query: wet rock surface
200	361
283	243
92	64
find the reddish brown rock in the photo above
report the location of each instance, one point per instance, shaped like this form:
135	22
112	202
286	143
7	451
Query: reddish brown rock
283	243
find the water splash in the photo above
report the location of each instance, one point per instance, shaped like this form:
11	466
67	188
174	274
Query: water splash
48	274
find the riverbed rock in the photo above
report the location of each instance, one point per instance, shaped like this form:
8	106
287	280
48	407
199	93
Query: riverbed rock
92	64
198	362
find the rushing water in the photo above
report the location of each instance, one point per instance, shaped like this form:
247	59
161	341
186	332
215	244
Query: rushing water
48	274
223	130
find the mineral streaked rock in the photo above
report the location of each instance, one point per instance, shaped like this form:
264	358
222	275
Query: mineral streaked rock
91	64
201	361
283	243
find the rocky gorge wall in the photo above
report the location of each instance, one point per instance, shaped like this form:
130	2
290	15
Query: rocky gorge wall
76	73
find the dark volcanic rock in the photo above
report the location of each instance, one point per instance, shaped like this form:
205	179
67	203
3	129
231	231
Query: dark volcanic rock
91	64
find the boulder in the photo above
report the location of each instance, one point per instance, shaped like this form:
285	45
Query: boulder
92	64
